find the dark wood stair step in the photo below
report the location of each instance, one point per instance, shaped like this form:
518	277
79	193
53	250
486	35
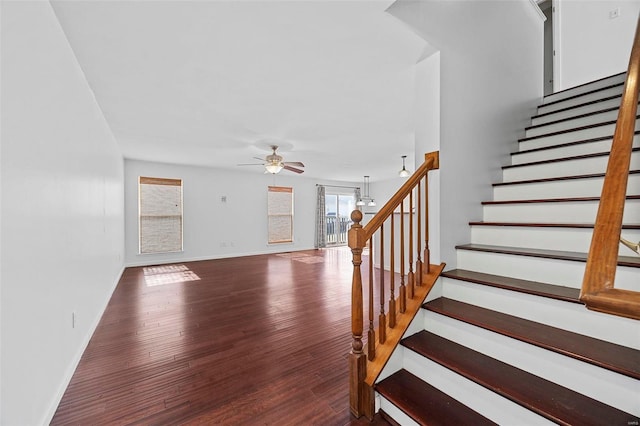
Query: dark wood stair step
562	159
560	178
574	129
552	401
574	117
582	85
567	144
426	404
630	261
610	356
549	225
595	101
566	294
553	200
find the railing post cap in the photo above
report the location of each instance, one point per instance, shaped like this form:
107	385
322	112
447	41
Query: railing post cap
356	216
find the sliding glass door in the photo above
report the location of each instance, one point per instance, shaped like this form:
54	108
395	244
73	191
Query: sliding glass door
338	215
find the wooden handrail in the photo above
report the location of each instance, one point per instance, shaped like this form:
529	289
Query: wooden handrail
598	284
431	162
393	323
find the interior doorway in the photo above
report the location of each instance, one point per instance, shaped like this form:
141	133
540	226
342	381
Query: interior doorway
547	8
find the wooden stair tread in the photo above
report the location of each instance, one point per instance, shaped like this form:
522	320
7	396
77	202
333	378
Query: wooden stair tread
599	89
586	84
553	200
426	404
630	261
595	101
573	129
567	144
567	294
620	359
541	396
548	225
560	178
574	117
561	159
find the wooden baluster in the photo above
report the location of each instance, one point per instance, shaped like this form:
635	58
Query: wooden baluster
392	255
427	254
418	245
382	319
371	335
357	358
403	290
411	276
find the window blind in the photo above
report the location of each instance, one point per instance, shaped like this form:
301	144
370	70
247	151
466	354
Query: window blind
160	215
280	212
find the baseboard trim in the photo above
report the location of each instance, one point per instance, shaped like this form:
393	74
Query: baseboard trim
76	359
151	262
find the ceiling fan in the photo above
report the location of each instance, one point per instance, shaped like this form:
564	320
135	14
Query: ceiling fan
273	163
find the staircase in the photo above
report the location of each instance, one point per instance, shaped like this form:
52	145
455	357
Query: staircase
503	338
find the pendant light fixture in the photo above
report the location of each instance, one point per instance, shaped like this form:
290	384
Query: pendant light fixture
404	172
366	198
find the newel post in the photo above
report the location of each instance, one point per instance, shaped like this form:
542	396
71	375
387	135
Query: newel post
357	358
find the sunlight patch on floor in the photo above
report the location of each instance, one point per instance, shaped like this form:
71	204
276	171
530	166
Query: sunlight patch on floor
168	274
302	257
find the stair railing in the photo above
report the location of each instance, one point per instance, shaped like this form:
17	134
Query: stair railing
394	314
598	292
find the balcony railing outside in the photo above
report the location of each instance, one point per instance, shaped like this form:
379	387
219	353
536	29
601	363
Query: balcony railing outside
338	229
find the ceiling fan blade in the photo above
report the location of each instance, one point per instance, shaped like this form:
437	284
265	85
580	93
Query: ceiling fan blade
258	158
293	163
292	169
250	164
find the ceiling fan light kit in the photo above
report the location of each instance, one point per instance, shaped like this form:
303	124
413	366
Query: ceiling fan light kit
273	168
273	163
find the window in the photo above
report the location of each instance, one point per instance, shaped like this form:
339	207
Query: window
160	215
280	212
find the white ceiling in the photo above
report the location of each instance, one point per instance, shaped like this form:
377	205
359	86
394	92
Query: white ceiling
214	83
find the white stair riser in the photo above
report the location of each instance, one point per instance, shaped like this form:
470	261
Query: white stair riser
605	82
567	151
552	271
395	360
563	168
600	94
573	123
399	416
591	187
564	239
565	315
474	396
611	388
560	212
574	136
577	110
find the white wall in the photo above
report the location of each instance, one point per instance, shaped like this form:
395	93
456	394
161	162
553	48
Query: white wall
62	213
590	45
427	130
490	79
213	229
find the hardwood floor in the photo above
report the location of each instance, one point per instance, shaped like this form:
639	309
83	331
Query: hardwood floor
253	340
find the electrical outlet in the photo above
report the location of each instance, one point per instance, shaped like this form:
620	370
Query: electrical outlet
223	199
614	13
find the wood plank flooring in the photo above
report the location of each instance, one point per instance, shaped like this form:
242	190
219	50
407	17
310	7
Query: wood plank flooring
255	340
